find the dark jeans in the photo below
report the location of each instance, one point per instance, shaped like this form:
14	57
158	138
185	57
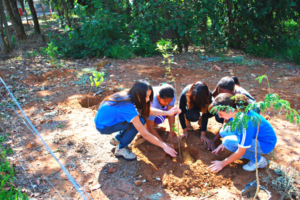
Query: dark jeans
125	135
193	115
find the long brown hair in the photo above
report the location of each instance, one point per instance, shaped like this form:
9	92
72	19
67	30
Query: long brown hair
137	95
198	95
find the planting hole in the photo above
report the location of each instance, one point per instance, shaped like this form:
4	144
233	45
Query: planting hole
188	156
90	102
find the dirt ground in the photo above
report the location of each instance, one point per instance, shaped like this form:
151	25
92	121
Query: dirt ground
55	100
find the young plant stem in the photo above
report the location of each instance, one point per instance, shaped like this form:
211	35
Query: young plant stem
89	96
268	85
256	169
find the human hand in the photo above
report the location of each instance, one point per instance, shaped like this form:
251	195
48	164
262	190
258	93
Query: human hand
173	111
216	166
211	146
170	145
220	147
204	139
173	137
185	134
169	150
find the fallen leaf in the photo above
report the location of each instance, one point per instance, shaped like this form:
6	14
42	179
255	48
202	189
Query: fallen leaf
96	187
138	183
112	170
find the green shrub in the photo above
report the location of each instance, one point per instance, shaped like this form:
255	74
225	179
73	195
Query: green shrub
120	51
7	178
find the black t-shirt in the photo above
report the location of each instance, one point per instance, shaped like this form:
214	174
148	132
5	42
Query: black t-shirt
183	105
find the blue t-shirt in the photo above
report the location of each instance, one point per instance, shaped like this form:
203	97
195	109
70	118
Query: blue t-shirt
266	135
155	103
109	115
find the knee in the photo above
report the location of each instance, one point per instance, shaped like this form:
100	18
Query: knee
230	144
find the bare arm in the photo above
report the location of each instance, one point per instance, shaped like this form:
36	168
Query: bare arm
219	165
151	129
171	119
156	112
151	138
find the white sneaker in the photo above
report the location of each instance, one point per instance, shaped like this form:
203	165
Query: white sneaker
125	153
114	142
250	166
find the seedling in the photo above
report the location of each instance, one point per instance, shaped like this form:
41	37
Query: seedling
61	126
164	46
241	120
58	150
178	135
52	52
96	80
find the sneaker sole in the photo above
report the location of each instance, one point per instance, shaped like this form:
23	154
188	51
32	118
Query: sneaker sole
125	158
114	144
263	166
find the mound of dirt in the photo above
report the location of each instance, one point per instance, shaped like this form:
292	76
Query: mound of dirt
186	175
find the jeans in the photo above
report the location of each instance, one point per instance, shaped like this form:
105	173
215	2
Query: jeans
231	141
125	135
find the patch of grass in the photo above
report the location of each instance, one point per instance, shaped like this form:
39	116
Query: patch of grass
285	182
7	178
31	54
61	126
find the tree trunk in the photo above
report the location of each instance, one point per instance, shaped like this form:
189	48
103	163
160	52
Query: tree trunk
5	26
14	16
204	29
230	23
43	11
34	17
65	8
24	11
3	45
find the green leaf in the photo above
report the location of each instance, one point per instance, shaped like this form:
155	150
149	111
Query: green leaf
260	78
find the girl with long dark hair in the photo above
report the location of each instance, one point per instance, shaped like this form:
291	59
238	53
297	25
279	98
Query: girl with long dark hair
193	101
125	112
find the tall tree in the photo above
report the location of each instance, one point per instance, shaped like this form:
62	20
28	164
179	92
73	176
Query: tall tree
5	46
65	7
34	17
15	18
23	9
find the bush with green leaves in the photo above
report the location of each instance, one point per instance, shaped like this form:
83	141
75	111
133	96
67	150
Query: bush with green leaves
120	51
267	28
7	178
52	52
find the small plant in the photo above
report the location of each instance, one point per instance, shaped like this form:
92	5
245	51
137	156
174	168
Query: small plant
164	46
52	52
58	150
285	183
7	178
61	126
175	129
96	80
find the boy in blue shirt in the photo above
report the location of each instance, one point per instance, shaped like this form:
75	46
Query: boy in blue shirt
243	144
